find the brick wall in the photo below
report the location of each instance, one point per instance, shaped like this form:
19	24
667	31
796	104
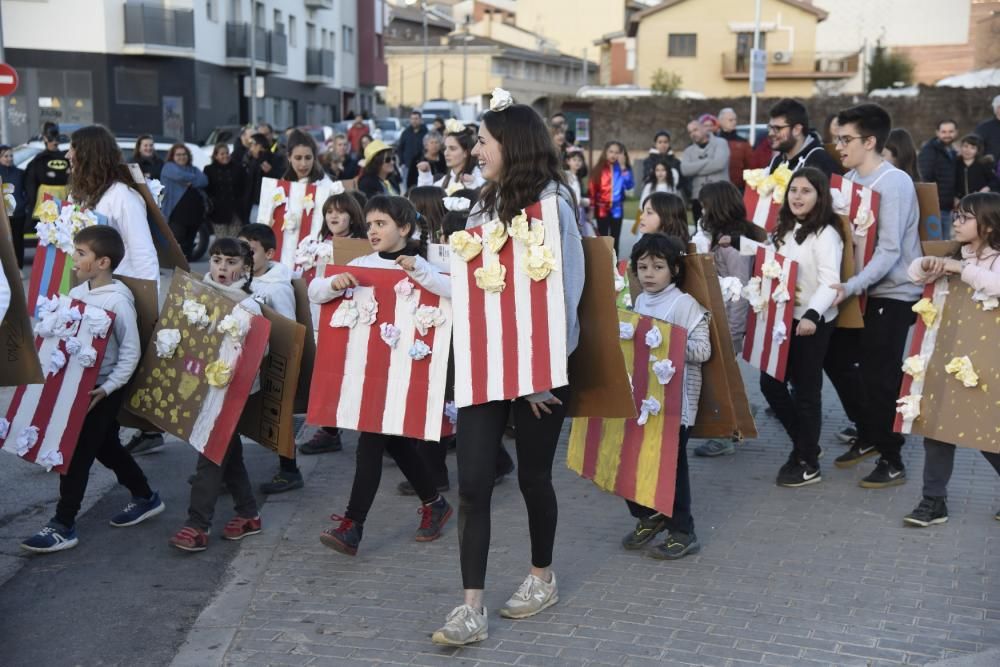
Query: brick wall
634	121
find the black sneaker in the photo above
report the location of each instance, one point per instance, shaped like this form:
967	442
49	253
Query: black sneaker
432	519
798	474
848	435
856	454
406	489
677	545
144	443
283	481
345	538
321	443
645	530
930	512
885	474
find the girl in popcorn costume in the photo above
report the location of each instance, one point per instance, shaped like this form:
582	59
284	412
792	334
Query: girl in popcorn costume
976	225
343	218
656	263
463	172
391	222
231	273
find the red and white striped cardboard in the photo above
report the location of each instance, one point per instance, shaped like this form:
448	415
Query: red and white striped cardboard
295	211
511	343
863	201
762	210
366	385
760	348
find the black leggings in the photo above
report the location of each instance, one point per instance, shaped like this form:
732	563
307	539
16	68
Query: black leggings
612	227
368	471
480	428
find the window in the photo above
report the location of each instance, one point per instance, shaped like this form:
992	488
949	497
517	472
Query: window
137	86
204	84
293	31
277	17
210	10
235	11
310	36
682	45
347	41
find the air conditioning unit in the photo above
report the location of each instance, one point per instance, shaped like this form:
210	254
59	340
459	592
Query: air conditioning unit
781	57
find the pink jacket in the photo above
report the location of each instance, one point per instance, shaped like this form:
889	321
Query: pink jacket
980	273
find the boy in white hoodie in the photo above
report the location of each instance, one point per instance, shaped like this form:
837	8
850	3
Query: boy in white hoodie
272	286
99	250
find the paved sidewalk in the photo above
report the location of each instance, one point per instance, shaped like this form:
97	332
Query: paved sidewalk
825	575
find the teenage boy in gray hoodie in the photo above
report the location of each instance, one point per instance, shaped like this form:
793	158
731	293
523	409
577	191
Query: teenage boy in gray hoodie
874	385
98	251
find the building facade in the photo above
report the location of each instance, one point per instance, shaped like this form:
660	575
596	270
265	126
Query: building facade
179	68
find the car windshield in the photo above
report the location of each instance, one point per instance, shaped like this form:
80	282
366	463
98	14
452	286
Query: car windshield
385	124
23	153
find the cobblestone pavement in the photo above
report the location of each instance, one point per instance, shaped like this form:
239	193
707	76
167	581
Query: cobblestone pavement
825	575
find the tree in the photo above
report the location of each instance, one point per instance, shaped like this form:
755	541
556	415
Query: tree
888	70
665	83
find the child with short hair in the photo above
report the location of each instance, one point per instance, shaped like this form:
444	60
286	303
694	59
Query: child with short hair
391	222
272	286
98	250
972	172
231	273
976	225
657	263
664	213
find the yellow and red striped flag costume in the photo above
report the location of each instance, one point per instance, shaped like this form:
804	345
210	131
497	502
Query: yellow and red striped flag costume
637	462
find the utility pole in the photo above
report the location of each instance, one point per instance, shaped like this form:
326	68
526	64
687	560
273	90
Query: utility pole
253	62
465	60
4	130
753	66
441	82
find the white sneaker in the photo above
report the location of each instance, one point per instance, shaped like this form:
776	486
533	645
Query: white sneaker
464	625
533	596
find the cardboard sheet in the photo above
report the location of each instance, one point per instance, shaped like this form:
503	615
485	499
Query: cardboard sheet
147	308
168	251
930	212
850	316
18	357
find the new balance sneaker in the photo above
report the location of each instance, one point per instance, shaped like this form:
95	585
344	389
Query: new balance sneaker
799	473
532	596
283	481
929	512
645	530
144	443
858	452
240	527
885	474
464	625
138	510
321	443
52	537
848	435
190	539
677	545
345	538
433	516
404	488
715	448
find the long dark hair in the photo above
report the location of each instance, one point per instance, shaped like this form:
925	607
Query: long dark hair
428	200
904	152
467	140
298	138
344	203
651	164
402	213
672	213
374	166
602	161
820	216
530	161
136	155
227	246
98	164
985	206
723	212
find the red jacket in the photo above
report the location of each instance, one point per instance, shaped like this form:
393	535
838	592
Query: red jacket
740	157
354	134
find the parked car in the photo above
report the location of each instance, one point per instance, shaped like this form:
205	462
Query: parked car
390	129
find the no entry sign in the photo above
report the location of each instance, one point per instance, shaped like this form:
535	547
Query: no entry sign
8	80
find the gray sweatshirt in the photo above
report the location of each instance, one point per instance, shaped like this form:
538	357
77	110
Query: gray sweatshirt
121	356
898	241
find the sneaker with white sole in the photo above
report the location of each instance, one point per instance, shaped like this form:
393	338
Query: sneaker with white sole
847	435
143	443
532	596
714	448
52	537
138	510
464	625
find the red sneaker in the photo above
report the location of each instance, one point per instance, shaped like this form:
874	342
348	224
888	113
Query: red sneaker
345	537
190	539
240	527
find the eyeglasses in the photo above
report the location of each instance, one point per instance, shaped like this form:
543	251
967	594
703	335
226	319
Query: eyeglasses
843	140
774	129
963	217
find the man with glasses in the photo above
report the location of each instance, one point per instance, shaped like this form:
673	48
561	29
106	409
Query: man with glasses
795	144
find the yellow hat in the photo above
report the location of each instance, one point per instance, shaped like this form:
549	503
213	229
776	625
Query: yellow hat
374	148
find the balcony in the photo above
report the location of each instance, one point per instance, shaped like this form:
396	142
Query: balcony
793	65
319	4
270	48
319	66
151	29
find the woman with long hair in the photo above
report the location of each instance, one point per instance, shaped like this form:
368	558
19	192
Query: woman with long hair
226	190
145	156
303	159
519	162
183	196
377	176
901	152
100	180
462	170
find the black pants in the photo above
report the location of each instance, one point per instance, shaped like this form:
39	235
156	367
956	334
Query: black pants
99	440
368	471
287	464
883	341
17	231
612	227
843	366
208	482
800	410
435	457
186	219
480	428
680	521
939	461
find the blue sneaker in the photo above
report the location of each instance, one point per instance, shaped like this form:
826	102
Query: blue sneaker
138	510
53	537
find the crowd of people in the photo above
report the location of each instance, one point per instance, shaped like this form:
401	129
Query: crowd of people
462	176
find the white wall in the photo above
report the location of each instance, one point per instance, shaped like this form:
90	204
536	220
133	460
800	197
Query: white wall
346	13
88	26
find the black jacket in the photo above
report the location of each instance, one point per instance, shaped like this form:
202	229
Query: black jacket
813	154
226	192
973	178
410	143
936	163
151	166
989	130
47	168
15	178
